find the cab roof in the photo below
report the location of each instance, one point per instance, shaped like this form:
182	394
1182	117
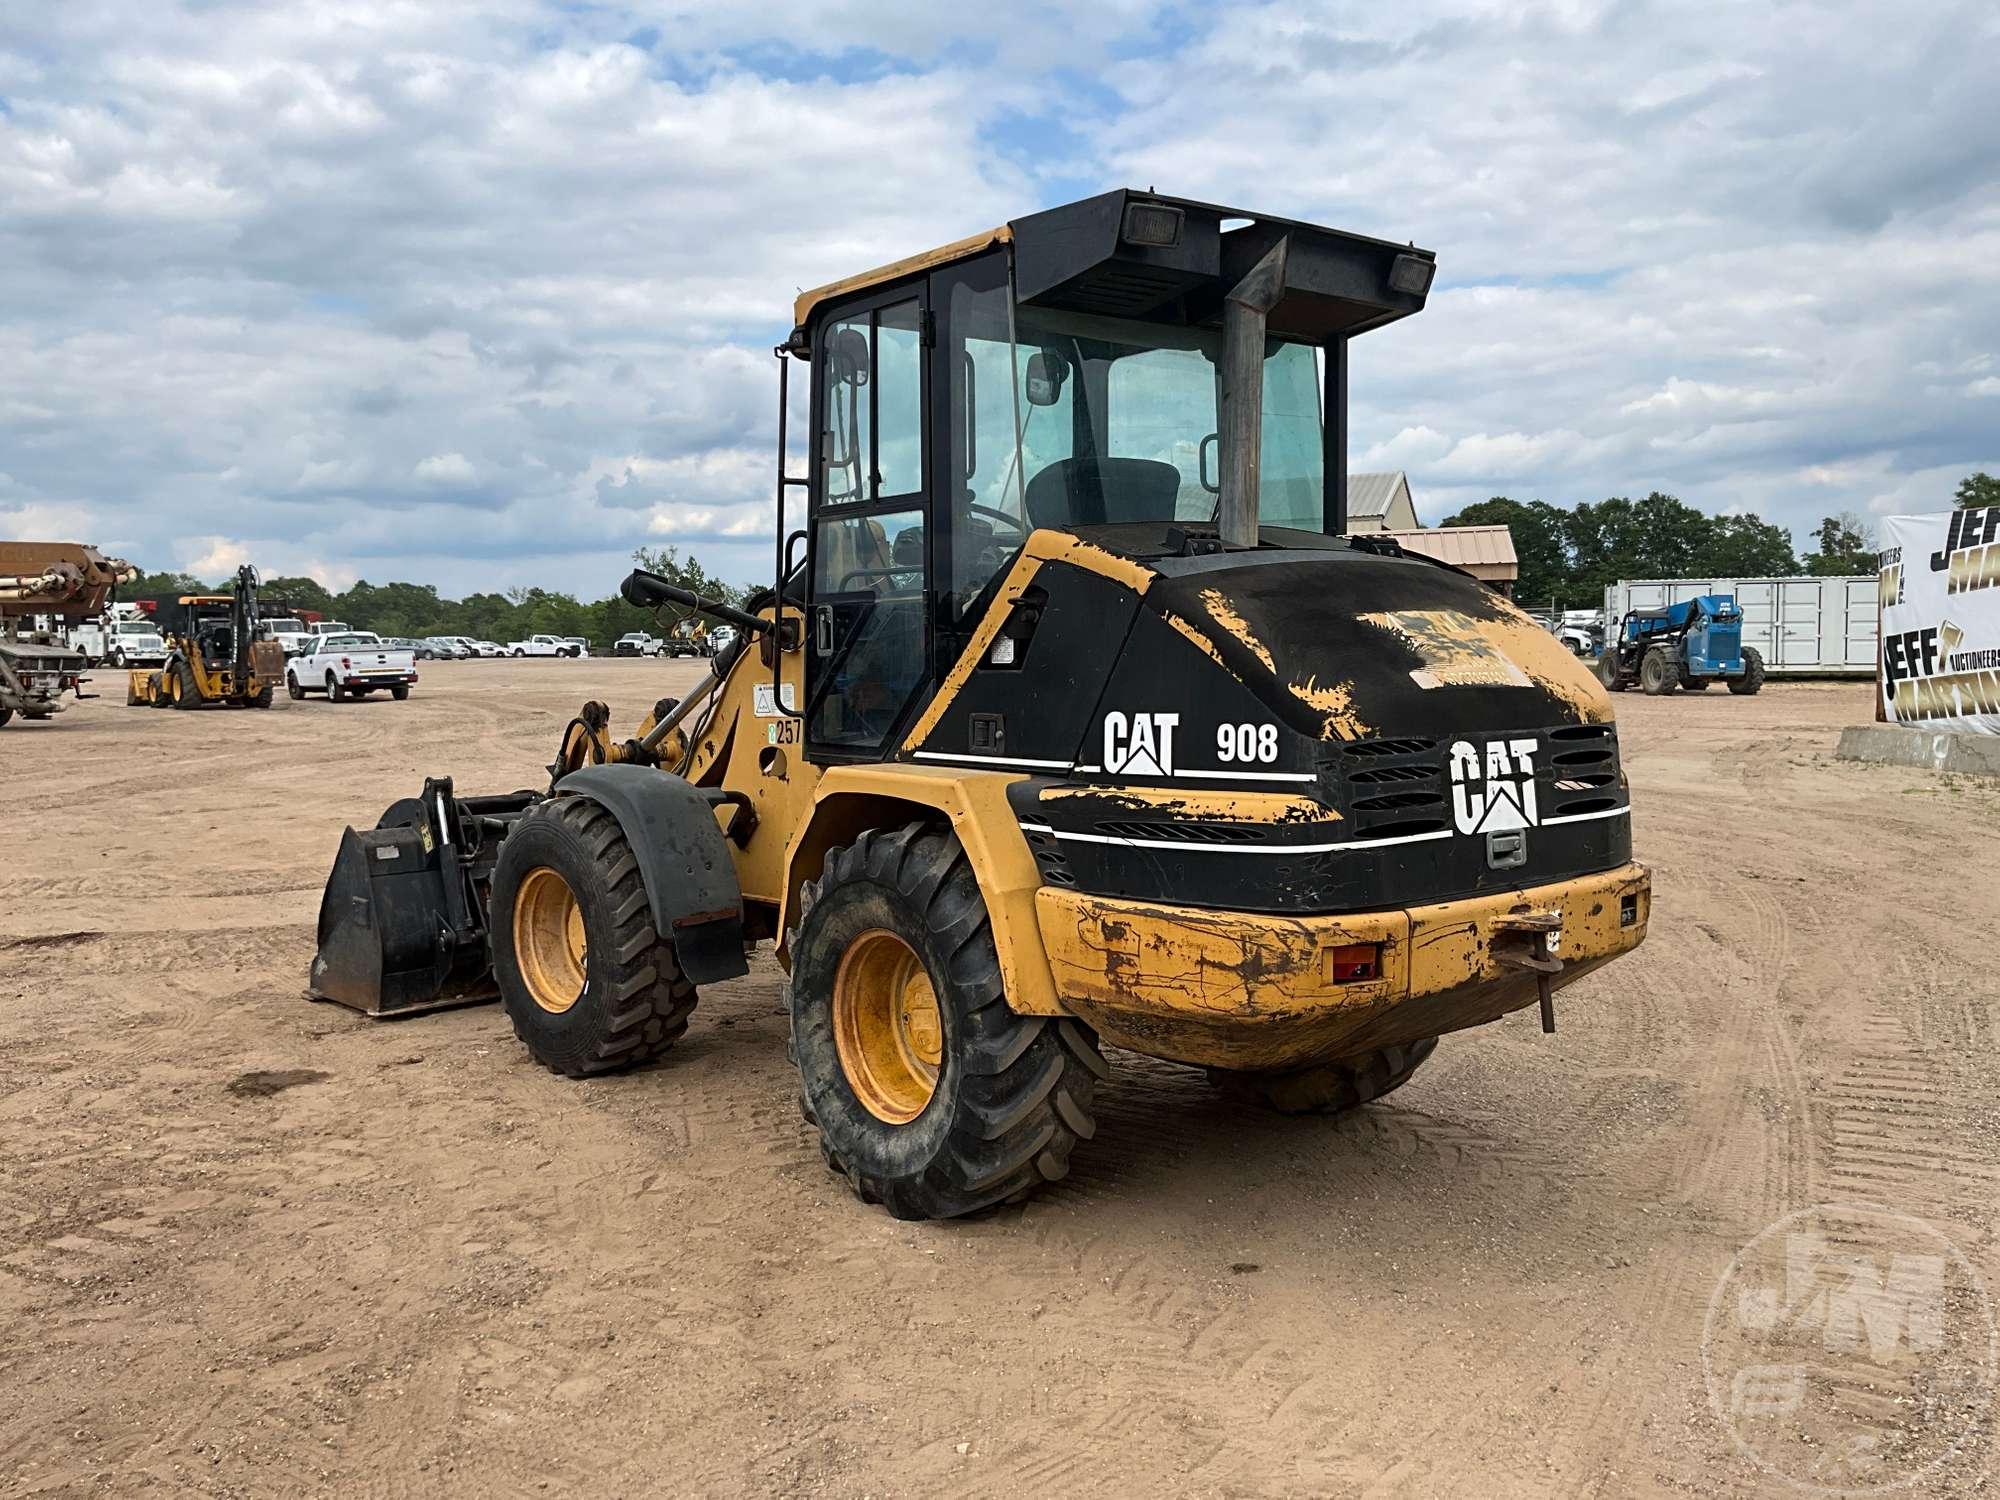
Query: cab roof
1134	254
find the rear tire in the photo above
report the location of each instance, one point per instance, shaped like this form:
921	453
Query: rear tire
187	692
1696	684
6	715
1753	673
1659	674
1328	1088
972	1104
334	692
400	691
1608	673
633	1001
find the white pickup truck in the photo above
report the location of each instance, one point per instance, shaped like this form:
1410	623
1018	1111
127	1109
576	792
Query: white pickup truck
544	645
349	666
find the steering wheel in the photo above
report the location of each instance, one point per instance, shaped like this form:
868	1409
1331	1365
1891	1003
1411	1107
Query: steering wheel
1014	523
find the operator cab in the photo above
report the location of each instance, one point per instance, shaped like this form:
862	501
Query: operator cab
1072	371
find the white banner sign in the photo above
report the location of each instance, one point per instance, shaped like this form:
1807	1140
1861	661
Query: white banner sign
1940	591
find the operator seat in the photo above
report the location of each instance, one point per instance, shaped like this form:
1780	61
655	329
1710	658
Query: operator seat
1104	491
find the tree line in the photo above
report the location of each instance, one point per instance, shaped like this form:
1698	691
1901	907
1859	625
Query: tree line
1570	556
417	609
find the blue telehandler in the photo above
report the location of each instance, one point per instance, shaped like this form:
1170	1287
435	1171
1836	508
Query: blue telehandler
1685	645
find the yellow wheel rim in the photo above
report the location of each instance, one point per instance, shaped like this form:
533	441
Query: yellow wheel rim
887	1027
549	942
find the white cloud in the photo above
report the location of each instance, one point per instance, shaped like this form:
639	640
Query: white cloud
447	470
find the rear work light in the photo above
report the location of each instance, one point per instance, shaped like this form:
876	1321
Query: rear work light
1155	225
1351	963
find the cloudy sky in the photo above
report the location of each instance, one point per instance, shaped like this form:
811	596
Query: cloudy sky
482	292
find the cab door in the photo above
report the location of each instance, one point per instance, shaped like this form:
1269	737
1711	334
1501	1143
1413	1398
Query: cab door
868	648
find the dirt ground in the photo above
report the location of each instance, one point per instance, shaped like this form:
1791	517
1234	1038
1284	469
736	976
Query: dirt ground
428	1266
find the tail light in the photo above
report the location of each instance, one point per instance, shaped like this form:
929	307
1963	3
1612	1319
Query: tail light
1350	963
346	665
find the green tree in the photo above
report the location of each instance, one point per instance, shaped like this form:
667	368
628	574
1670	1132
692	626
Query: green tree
1846	547
1660	536
1537	530
161	587
1976	489
1748	547
300	593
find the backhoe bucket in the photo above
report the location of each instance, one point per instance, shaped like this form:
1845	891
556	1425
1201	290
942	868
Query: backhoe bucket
402	926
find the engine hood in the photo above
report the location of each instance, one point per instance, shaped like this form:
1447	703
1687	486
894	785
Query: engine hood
1345	644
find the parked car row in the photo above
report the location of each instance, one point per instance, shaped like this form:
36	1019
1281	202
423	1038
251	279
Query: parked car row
640	643
467	648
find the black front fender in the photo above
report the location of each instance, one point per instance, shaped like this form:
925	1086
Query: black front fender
684	862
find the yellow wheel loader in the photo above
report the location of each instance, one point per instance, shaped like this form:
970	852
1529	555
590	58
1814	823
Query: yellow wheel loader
217	653
1073	714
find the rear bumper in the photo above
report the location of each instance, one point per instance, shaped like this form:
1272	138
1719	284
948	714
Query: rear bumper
1251	991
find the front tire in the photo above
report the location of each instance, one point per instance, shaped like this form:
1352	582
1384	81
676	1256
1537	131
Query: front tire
1658	673
587	980
187	691
262	697
930	1095
1753	673
292	689
1328	1088
1608	673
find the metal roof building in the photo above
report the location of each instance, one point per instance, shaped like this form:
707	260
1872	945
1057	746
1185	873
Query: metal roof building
1486	552
1380	502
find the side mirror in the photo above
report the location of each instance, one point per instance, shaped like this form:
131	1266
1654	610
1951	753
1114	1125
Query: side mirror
1047	372
847	357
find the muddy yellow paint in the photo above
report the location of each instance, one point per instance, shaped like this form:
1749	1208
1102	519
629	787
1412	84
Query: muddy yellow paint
1061	546
1224	614
1251	991
1238	807
1335	703
1506	649
1200	637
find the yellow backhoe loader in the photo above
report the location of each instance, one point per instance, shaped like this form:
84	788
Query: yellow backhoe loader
217	652
1072	714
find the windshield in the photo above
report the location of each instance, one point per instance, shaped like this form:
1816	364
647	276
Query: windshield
285	627
1118	424
136	627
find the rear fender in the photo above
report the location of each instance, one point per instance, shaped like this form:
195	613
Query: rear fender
684	862
973	804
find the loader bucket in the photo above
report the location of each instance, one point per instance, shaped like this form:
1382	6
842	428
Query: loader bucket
402	926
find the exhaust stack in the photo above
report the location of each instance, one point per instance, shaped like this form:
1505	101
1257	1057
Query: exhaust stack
1245	313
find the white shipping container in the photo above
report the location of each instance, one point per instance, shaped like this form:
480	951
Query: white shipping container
1801	626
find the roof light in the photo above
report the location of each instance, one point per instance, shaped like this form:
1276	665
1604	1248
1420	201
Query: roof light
1155	224
1412	274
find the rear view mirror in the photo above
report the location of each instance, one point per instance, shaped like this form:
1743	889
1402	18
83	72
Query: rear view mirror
1047	371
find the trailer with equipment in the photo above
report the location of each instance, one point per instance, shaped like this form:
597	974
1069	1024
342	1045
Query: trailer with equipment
42	586
1072	714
